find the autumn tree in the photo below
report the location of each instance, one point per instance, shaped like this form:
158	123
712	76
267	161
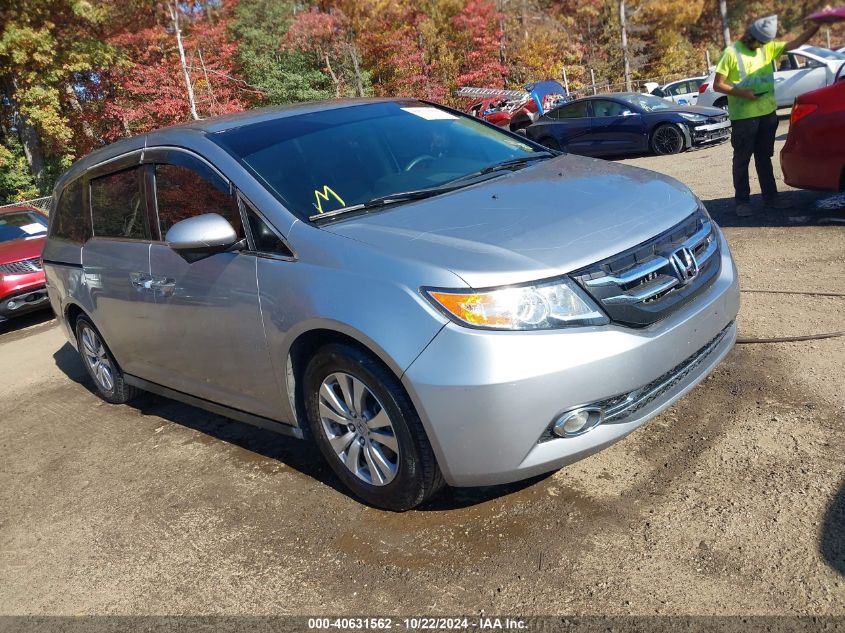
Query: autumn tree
324	36
48	48
148	83
477	41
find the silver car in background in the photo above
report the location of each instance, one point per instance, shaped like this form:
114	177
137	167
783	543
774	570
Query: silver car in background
429	298
798	71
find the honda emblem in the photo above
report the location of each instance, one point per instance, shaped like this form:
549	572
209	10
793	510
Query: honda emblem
686	268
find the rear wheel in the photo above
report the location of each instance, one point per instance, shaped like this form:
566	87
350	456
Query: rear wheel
667	139
367	429
101	366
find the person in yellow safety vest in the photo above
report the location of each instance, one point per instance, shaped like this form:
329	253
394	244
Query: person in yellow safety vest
745	73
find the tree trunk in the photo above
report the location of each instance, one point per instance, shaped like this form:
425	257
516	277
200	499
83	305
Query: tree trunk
723	13
356	67
174	17
334	77
73	100
624	34
28	136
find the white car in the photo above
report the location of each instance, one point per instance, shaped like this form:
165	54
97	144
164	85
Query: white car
682	92
801	70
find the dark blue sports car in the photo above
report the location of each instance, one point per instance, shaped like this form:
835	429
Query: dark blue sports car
626	123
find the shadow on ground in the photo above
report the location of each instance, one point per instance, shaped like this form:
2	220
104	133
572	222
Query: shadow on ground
299	455
24	321
804	211
833	533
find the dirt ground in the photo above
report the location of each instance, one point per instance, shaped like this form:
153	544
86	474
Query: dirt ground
731	502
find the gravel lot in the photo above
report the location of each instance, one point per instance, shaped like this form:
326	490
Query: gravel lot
731	502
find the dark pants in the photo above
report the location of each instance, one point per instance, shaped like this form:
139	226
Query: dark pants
754	137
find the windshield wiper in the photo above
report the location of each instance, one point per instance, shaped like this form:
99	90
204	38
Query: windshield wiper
516	162
402	196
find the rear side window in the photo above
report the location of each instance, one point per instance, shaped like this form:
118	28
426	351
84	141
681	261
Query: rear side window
69	221
182	193
117	206
577	110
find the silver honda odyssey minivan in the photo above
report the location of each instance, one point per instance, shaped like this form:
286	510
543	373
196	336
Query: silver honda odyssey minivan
430	299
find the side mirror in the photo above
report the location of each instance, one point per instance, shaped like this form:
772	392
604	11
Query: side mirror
208	233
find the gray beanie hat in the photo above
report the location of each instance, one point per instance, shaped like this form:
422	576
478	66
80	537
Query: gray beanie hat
764	29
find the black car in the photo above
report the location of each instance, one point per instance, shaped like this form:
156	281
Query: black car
627	123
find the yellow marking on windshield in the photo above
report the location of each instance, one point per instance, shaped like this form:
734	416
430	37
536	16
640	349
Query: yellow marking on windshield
324	197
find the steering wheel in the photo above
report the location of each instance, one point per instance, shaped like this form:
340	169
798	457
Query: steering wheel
419	159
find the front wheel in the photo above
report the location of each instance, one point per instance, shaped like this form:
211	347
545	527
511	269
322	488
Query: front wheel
368	430
667	139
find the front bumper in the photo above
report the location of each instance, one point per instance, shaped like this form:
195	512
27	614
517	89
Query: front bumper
712	133
21	294
487	398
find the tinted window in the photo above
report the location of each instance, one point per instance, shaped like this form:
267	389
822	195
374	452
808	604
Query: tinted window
69	220
182	193
647	102
326	160
824	53
604	107
21	224
681	88
577	110
266	241
117	206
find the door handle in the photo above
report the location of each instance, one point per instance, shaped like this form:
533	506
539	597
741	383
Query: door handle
165	286
142	281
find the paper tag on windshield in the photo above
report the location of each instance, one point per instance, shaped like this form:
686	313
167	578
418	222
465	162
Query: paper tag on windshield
430	114
33	229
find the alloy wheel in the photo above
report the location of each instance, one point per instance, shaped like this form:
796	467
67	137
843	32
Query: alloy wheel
668	140
358	429
97	359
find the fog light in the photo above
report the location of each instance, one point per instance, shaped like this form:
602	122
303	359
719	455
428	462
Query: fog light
12	305
578	422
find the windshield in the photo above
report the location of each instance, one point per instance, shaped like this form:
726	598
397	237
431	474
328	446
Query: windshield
23	224
323	161
824	53
648	103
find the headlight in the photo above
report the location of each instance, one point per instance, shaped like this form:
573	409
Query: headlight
693	117
556	304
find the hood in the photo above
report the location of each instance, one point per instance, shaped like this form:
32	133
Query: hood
702	110
16	250
544	220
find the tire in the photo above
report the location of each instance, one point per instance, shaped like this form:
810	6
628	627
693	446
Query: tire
100	364
667	139
391	465
551	143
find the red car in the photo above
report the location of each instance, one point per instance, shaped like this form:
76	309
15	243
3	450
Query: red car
22	285
814	154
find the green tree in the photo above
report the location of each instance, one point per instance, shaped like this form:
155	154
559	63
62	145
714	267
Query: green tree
284	77
47	49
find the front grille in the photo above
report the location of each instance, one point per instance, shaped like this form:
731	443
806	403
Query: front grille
621	407
647	283
22	267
